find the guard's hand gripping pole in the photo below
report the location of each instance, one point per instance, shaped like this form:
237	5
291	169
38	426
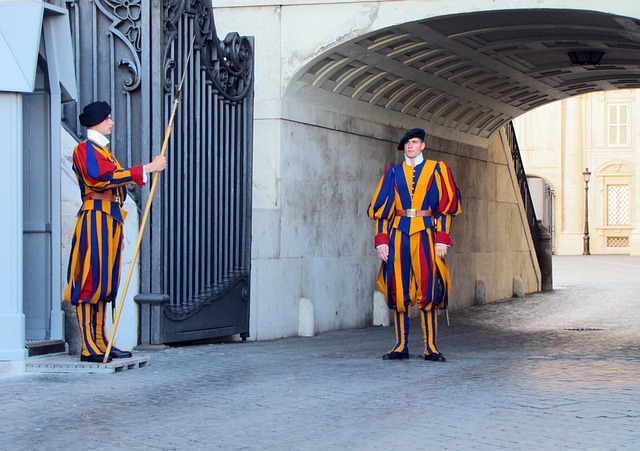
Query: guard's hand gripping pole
143	224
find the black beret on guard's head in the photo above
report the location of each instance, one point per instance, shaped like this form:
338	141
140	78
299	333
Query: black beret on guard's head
94	113
413	133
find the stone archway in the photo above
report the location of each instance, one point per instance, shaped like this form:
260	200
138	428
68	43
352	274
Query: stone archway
332	100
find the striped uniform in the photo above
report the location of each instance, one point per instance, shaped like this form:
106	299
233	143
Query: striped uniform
94	264
413	272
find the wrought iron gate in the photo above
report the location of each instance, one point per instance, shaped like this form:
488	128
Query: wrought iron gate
206	198
195	255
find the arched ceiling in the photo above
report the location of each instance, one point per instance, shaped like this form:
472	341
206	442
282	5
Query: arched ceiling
474	72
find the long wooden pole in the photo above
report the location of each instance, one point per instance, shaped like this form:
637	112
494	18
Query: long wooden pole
147	208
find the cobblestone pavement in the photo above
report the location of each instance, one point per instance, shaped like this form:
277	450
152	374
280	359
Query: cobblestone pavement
557	370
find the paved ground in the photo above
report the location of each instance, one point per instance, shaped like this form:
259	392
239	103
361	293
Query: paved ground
558	370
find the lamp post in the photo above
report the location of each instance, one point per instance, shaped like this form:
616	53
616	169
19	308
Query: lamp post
587	176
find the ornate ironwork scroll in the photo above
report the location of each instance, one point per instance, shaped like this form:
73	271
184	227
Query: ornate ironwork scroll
228	63
125	24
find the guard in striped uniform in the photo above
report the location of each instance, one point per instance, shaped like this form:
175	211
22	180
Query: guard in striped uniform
96	249
412	207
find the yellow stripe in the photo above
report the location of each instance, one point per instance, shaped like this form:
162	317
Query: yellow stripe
397	273
400	332
84	323
443	270
101	255
429	332
101	340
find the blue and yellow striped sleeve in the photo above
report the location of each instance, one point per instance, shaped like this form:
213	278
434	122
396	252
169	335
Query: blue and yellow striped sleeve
450	203
381	206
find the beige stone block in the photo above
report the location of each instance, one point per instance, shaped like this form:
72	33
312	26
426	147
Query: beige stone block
518	287
306	318
380	310
481	292
267	163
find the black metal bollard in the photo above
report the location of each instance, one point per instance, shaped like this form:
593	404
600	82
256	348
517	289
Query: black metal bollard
546	259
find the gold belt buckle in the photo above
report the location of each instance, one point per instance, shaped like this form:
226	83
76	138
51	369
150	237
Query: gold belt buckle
412	213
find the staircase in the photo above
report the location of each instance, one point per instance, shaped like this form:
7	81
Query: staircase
46	347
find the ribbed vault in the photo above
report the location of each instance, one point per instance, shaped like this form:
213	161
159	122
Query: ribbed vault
474	72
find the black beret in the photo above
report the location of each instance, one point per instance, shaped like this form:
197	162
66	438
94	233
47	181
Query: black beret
413	133
94	113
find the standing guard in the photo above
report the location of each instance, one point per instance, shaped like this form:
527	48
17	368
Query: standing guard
96	250
412	207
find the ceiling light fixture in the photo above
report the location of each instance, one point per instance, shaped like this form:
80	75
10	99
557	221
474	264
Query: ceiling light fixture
585	57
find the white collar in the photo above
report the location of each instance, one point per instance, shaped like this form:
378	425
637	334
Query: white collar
417	160
97	137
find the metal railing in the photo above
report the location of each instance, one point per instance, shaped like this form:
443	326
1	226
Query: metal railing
532	220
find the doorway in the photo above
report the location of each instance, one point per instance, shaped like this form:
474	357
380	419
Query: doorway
37	216
542	195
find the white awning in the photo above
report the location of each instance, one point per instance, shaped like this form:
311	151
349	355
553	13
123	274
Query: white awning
21	29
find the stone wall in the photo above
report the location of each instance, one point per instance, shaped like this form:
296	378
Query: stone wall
317	241
317	159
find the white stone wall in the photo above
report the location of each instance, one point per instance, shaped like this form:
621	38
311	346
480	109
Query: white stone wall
320	245
317	160
12	322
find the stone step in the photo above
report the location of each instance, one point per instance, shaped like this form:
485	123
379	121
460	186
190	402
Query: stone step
44	347
72	364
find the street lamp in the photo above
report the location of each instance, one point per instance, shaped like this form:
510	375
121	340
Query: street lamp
587	176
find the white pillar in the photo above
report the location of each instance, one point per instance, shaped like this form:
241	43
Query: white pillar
55	118
12	324
306	319
572	218
380	310
634	239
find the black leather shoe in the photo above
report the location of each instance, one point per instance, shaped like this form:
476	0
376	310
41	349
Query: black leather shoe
395	355
98	358
119	354
435	358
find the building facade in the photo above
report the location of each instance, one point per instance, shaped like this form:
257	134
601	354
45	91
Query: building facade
593	135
